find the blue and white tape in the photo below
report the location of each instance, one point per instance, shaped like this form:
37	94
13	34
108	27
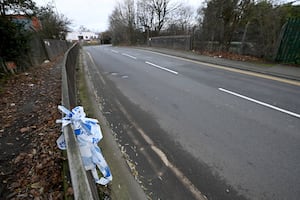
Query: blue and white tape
88	133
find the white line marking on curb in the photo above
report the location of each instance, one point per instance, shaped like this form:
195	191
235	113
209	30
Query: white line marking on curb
163	68
114	51
163	157
92	60
261	103
125	54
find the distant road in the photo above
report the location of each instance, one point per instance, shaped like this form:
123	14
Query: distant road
226	134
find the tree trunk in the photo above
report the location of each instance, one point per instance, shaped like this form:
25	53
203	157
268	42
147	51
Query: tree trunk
242	48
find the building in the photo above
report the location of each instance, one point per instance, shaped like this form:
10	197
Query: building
28	23
86	36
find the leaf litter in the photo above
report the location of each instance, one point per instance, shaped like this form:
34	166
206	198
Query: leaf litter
30	162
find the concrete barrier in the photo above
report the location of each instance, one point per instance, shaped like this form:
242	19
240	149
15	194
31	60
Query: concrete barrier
45	49
55	48
182	42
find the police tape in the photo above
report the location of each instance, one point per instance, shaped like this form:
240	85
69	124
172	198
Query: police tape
88	134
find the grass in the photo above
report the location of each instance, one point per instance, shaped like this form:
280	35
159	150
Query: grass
82	91
83	99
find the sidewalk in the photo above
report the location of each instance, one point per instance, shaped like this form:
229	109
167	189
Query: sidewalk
278	70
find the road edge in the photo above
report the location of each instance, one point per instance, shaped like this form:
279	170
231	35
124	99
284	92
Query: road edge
123	186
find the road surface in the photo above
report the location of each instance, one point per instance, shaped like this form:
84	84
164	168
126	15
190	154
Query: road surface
188	128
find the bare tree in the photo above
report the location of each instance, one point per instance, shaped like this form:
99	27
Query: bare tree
83	29
160	9
55	25
122	23
181	21
117	26
27	7
221	18
145	14
264	21
153	14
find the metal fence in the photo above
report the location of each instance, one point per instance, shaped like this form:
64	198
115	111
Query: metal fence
254	40
289	47
80	181
189	42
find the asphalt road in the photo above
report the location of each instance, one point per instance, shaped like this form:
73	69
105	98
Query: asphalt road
190	127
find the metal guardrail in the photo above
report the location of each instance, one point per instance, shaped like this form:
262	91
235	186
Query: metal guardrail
80	182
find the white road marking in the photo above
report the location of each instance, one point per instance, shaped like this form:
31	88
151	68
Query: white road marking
163	157
261	103
125	54
114	51
92	60
256	74
163	68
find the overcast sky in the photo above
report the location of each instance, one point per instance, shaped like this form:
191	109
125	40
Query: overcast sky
92	14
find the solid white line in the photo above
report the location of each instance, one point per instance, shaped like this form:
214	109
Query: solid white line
163	68
125	54
92	60
261	103
114	51
163	157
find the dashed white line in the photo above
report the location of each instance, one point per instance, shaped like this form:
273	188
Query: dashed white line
114	51
163	68
149	63
125	54
261	103
265	76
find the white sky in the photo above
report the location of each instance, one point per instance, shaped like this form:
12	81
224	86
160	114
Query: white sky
93	14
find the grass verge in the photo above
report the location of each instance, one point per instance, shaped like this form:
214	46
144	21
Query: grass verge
84	100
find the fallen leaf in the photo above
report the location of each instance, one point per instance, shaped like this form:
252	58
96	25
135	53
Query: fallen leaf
70	191
36	185
29	115
25	129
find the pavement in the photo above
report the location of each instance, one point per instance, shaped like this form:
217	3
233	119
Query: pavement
273	69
